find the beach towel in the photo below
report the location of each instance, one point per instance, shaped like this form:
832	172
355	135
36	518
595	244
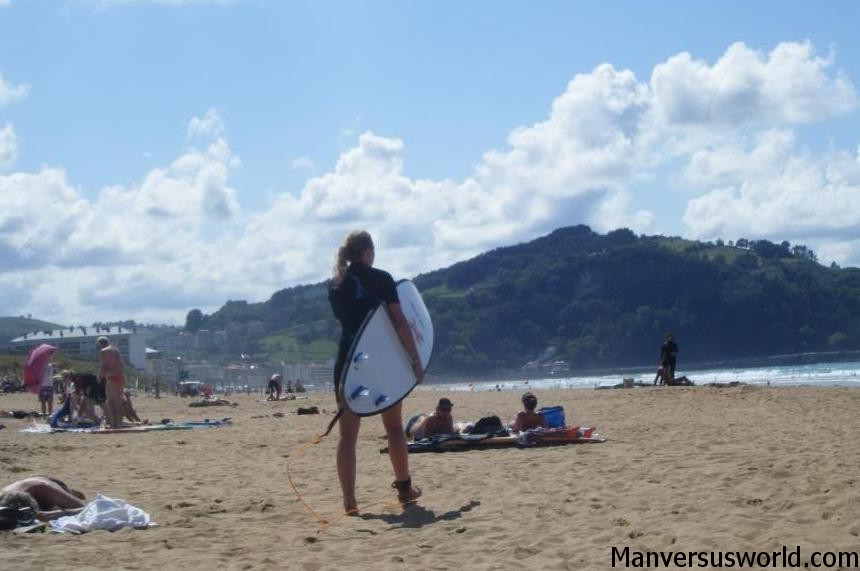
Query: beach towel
526	439
36	428
103	513
61	413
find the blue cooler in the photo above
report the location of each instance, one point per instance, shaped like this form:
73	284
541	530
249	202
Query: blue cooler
554	416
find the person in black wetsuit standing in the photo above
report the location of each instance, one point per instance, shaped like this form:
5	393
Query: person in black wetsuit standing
668	359
356	288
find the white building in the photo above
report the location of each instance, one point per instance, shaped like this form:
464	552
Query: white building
82	341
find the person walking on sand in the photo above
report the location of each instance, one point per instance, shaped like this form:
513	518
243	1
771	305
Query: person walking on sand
669	358
111	369
46	390
356	288
274	387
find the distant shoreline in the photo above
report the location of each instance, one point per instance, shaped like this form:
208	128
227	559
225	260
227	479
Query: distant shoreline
787	359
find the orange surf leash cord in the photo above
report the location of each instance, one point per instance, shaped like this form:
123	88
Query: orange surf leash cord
323	522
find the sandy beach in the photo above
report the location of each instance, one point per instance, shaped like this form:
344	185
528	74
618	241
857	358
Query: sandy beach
706	469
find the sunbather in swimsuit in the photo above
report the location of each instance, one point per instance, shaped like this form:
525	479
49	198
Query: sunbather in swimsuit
440	422
528	419
47	497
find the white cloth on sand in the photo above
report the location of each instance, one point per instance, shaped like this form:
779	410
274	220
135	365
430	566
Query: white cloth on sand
103	513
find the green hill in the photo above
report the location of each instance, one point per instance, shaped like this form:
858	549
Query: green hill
12	327
600	301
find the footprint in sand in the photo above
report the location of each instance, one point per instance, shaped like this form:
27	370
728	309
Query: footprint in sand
524	552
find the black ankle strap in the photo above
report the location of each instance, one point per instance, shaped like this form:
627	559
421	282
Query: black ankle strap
402	484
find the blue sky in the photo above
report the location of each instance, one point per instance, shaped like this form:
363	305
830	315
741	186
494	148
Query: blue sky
157	156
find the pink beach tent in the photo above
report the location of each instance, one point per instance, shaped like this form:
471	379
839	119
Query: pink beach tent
35	366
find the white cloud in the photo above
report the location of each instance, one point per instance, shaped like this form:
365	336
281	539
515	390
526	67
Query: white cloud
8	146
789	85
41	210
733	160
177	238
152	248
10	93
604	134
780	192
211	125
194	188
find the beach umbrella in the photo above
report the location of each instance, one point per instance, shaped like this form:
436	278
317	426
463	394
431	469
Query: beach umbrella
36	363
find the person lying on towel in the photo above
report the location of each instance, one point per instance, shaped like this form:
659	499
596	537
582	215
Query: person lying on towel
528	419
46	498
439	422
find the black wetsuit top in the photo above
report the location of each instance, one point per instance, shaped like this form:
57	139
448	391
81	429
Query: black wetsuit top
669	353
362	289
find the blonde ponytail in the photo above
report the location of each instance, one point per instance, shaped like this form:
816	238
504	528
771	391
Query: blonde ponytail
354	245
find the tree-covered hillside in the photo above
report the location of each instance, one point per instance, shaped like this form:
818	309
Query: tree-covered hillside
605	300
12	327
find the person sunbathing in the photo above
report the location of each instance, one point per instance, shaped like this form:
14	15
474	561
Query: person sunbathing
528	419
48	498
439	422
211	401
681	381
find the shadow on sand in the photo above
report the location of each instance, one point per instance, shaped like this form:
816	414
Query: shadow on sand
419	516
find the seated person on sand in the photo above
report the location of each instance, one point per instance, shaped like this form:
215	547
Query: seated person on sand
212	401
663	379
86	393
681	381
528	419
439	422
49	498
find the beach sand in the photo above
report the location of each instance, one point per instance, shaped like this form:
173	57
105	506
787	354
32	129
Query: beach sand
742	468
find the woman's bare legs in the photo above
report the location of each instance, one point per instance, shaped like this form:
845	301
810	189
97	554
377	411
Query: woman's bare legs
349	426
397	448
346	458
398	451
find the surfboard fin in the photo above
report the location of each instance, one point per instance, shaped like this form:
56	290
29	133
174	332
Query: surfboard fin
358	359
360	390
380	399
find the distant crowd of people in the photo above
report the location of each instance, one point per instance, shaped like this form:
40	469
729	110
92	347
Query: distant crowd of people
80	393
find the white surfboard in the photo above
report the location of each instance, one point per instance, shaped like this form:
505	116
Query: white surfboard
378	373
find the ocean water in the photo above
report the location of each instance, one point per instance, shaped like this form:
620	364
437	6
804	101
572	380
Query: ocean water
819	374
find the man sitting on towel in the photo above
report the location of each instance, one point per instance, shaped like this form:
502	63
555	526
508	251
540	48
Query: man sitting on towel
426	425
528	418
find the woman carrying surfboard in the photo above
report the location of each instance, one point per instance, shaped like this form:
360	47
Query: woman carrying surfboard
356	289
